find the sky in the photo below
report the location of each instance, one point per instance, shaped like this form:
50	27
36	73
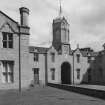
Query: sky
86	19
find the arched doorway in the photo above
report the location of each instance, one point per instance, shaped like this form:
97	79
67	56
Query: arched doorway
65	73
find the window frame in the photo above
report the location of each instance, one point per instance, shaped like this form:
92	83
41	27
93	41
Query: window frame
8	75
52	73
78	58
36	57
36	70
53	57
78	73
7	40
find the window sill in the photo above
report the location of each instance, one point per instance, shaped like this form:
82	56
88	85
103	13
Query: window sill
7	83
9	49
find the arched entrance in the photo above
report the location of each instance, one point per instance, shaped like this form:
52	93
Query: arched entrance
65	73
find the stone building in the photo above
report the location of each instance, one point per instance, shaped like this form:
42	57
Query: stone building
59	63
97	68
14	51
22	64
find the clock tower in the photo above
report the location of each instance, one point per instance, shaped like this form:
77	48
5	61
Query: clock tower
61	35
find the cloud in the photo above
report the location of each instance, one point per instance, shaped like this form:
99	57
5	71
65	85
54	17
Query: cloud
88	22
86	18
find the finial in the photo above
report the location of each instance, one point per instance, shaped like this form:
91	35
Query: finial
60	9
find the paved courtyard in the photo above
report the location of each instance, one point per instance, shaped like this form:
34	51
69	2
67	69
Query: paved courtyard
46	96
97	87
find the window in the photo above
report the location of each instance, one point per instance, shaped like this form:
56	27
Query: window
53	73
53	57
36	75
7	71
65	35
66	49
36	70
78	58
7	40
89	59
78	73
36	57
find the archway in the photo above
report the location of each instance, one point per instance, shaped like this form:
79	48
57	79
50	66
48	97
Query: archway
65	73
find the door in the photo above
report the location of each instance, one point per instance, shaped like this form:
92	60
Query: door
36	75
66	73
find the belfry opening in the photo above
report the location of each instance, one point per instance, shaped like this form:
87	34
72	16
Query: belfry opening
66	73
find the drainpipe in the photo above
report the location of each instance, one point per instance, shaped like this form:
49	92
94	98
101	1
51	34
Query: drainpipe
19	61
73	68
46	72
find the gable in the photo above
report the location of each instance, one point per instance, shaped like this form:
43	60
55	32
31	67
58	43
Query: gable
7	28
52	49
77	51
7	24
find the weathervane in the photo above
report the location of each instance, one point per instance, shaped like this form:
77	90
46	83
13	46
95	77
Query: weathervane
60	10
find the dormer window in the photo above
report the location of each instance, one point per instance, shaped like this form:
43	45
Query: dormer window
7	40
78	58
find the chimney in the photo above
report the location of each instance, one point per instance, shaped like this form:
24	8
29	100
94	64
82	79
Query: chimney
24	13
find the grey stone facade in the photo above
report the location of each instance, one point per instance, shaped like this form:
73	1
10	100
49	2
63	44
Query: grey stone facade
24	64
14	51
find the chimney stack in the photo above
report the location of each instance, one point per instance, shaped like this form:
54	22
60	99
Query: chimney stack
24	13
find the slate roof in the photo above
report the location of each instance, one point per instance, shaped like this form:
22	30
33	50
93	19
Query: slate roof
42	50
60	19
87	53
102	52
33	49
8	17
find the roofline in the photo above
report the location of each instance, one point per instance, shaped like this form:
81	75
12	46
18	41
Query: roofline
39	47
38	52
9	17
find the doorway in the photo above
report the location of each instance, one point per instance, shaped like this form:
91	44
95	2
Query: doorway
65	73
36	75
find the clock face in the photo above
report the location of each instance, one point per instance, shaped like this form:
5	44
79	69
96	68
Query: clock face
66	49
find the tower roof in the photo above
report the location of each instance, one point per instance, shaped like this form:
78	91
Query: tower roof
60	19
